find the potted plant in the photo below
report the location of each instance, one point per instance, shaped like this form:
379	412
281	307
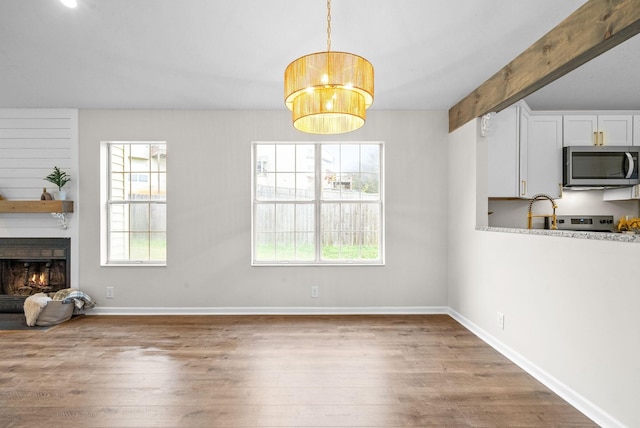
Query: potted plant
59	178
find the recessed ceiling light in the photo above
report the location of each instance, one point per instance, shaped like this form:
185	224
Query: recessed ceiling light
70	3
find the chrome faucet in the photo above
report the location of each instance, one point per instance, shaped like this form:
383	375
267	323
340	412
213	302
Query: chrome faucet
530	216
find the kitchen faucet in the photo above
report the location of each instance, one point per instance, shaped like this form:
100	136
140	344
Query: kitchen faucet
553	205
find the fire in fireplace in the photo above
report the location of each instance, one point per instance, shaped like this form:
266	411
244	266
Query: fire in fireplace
25	278
32	265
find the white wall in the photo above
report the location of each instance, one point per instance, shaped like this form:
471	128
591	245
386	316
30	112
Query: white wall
209	210
32	142
570	305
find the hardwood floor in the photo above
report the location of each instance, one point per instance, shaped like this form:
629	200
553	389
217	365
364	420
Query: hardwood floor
267	371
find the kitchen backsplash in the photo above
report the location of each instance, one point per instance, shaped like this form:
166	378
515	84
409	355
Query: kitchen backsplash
513	213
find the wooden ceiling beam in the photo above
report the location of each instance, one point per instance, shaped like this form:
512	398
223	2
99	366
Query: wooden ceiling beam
594	28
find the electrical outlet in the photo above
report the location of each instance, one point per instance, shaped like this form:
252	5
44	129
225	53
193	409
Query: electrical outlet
110	293
501	320
315	291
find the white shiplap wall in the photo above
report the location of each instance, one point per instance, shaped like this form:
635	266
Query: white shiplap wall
32	142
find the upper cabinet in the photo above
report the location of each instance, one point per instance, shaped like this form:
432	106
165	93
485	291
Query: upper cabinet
504	154
524	153
525	147
598	130
541	155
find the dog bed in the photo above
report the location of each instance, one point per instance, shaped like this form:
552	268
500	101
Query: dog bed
40	309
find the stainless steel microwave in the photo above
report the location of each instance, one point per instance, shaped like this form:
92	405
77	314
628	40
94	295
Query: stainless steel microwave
600	166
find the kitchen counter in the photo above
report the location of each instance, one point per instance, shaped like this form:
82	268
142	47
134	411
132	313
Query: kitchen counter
598	236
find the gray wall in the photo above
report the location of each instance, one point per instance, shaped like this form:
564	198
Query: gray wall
570	305
209	211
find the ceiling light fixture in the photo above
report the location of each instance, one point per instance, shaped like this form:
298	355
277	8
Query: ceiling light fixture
328	92
70	3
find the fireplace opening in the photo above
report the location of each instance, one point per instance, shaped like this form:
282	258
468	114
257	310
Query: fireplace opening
28	277
32	265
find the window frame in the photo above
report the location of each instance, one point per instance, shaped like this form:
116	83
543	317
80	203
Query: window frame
108	202
318	203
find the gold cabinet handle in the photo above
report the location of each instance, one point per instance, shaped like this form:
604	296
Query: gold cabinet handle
523	188
598	138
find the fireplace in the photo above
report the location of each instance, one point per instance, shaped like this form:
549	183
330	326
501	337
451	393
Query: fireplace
32	265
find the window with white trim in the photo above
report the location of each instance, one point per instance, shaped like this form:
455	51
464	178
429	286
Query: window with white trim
317	203
136	205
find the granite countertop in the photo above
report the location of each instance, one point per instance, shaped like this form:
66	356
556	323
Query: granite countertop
599	236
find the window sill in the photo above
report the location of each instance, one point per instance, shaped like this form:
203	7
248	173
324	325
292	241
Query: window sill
291	264
133	264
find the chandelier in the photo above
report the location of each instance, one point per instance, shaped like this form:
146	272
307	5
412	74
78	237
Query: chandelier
328	92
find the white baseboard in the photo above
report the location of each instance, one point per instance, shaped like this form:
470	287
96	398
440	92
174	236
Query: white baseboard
585	406
373	310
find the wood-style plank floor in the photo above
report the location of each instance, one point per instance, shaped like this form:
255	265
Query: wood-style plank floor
267	371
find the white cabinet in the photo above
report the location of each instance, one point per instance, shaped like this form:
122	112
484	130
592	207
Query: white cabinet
598	130
540	155
503	154
626	193
524	154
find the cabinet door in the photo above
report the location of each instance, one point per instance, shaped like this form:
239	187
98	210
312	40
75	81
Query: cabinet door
589	130
541	156
503	154
636	130
616	129
579	129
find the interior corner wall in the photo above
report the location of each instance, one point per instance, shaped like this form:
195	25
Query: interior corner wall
209	215
570	305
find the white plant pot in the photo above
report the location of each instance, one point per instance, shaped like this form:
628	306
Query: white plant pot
60	195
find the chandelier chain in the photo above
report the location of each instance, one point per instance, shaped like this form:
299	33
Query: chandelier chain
328	25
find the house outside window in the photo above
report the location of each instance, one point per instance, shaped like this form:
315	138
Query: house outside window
136	212
317	203
261	167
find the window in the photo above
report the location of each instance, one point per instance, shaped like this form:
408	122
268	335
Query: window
317	203
136	225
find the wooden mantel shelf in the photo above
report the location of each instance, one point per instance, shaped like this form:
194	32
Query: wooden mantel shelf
36	206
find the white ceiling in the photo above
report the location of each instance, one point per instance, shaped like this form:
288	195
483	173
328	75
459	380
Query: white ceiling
211	54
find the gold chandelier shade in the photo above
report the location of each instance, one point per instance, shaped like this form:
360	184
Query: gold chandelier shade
328	92
328	111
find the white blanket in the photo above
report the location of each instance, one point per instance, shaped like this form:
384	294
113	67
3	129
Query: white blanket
33	305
